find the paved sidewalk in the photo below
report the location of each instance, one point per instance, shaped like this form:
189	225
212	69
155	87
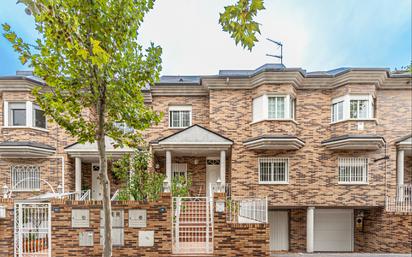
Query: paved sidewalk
338	255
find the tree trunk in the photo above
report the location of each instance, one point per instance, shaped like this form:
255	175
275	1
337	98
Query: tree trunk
104	179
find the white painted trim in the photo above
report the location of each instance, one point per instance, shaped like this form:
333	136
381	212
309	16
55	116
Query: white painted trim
29	114
6	113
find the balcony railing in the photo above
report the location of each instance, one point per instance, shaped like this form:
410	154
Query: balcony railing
253	210
402	202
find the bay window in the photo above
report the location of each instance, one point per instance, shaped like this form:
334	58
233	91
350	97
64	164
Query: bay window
357	107
273	107
24	114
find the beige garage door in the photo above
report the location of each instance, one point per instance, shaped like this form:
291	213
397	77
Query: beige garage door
333	230
279	230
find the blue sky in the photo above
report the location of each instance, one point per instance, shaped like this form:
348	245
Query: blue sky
317	35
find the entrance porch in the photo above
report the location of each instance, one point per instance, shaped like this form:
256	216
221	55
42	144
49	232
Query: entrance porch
198	154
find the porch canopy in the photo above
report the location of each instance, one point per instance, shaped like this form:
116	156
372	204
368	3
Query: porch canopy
88	152
193	141
354	142
404	149
25	149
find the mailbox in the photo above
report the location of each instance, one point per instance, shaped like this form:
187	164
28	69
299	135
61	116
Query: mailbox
86	238
80	218
137	218
146	238
220	206
117	227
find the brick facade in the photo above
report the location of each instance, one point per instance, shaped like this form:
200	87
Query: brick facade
224	106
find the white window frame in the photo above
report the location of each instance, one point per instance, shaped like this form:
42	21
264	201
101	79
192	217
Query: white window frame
30	107
180	108
346	99
262	102
24	183
354	164
273	160
37	107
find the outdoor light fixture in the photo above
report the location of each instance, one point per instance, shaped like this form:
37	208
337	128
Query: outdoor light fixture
5	191
166	186
157	166
219	184
59	189
196	161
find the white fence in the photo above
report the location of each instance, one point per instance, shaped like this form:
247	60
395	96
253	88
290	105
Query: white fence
253	210
192	225
32	230
402	202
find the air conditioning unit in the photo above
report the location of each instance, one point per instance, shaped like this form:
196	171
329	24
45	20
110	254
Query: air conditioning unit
2	212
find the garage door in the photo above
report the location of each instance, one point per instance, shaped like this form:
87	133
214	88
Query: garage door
279	230
333	230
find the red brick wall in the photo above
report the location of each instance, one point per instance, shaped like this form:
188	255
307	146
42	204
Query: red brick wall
7	229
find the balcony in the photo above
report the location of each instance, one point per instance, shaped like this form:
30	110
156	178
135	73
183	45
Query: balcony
402	202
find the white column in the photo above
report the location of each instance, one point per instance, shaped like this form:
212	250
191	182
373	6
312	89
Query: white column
401	161
223	169
309	229
78	176
169	168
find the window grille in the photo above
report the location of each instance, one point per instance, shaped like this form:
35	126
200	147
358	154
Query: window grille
273	170
25	178
353	170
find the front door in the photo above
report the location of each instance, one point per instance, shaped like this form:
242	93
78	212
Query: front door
97	187
279	230
212	173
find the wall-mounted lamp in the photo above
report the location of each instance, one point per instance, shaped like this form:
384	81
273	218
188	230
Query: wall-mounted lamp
157	166
196	161
5	190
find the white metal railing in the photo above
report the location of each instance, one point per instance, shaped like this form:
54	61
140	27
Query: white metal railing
84	195
25	178
254	210
402	202
192	225
115	195
219	188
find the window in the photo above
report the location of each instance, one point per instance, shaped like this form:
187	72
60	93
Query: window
180	116
39	118
117	227
17	114
352	107
25	178
276	107
123	127
179	170
359	109
273	107
337	111
353	170
273	170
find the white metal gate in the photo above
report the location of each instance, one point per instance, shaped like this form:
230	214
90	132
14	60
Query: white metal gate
32	229
192	225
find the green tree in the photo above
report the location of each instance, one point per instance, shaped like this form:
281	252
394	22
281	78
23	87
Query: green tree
239	21
138	182
94	67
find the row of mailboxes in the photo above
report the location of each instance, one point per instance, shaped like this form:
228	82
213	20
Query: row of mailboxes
146	238
137	218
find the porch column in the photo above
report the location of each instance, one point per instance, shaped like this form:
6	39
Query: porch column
310	218
78	176
223	169
169	168
401	161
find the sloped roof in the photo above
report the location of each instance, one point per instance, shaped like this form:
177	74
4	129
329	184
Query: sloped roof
194	134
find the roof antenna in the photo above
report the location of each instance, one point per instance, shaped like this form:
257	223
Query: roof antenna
278	44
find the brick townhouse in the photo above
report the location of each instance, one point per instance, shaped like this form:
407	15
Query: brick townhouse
330	150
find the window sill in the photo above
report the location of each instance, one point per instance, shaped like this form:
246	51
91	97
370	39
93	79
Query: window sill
178	128
281	120
356	120
273	183
25	127
26	190
353	183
